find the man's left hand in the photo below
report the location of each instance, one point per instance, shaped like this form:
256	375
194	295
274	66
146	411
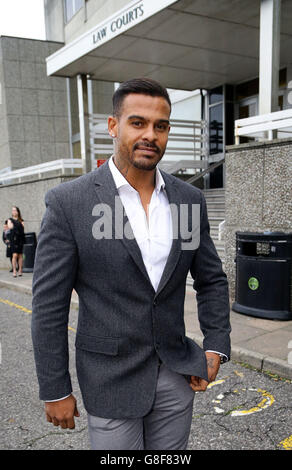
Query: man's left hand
213	363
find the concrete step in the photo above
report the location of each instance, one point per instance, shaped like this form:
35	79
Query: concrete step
215	220
214	192
214	234
215	225
215	199
214	213
216	203
217	242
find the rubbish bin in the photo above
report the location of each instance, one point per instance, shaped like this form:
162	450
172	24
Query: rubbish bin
29	249
264	275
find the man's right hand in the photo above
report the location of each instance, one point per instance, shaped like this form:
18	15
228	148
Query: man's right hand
61	413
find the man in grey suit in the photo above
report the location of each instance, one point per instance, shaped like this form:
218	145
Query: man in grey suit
125	237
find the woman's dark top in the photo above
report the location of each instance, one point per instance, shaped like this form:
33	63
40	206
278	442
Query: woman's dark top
17	237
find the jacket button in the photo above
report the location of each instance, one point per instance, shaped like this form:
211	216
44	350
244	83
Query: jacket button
154	302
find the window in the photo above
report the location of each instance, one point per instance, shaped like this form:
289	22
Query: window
216	129
71	7
216	95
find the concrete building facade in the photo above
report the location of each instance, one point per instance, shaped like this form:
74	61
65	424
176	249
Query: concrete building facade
33	110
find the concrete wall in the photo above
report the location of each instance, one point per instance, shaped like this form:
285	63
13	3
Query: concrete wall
33	113
29	197
258	193
4	141
54	19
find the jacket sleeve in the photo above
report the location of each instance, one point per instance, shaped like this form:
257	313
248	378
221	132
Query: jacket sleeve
53	281
211	286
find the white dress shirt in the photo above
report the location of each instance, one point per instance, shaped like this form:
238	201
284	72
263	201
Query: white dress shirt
153	235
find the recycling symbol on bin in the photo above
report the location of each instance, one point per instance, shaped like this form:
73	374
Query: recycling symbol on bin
253	283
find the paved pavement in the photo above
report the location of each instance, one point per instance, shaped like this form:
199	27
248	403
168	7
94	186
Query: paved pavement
260	343
243	409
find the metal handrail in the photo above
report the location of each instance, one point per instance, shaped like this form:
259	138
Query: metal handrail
212	167
264	125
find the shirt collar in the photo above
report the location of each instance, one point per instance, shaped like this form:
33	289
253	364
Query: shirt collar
120	180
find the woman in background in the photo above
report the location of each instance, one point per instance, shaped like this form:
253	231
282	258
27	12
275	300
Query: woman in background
15	223
16	215
6	237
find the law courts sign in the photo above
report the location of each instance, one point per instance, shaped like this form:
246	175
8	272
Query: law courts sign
134	13
119	23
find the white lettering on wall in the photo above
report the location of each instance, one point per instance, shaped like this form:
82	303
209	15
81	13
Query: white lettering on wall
118	23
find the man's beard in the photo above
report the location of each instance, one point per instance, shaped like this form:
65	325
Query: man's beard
143	164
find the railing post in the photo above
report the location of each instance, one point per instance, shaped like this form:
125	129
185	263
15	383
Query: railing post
236	136
84	122
270	25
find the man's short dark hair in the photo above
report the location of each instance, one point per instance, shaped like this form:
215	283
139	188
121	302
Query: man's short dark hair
142	86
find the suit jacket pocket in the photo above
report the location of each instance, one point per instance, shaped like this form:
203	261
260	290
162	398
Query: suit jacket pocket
97	344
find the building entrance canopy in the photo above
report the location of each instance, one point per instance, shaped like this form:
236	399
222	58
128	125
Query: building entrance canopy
184	44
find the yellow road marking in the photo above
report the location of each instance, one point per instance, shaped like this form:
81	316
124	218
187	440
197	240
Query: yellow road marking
12	304
26	310
216	382
267	401
286	443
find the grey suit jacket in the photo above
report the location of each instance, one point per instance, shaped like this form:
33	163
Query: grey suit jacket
124	326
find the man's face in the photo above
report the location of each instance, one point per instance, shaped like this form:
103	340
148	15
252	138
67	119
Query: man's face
141	130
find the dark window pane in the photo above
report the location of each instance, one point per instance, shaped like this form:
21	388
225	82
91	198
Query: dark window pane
229	93
216	95
244	90
216	129
229	124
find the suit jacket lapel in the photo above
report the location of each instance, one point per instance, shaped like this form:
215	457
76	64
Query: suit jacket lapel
175	251
107	193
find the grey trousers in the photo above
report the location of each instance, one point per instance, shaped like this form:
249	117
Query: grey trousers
166	427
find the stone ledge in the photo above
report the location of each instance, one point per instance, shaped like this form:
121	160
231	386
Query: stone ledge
250	145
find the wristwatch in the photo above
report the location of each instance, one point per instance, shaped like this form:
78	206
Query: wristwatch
223	358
